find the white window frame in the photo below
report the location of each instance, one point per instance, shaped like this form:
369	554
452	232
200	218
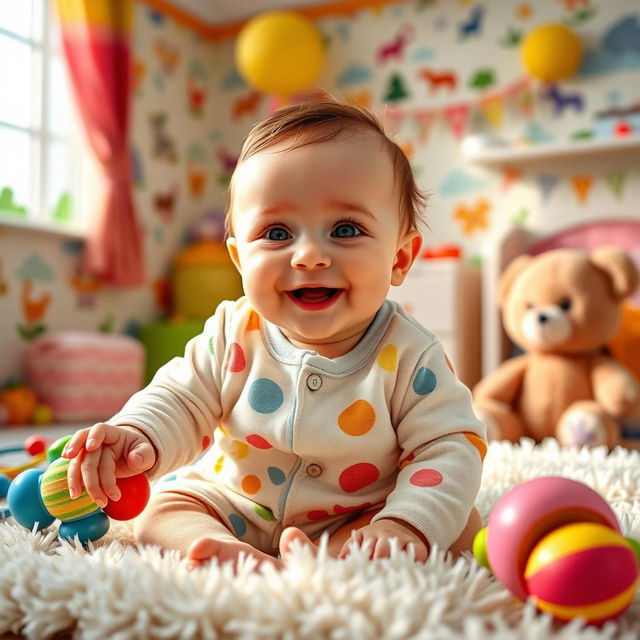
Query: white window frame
41	137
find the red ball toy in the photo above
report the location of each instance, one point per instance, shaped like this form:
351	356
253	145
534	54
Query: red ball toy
134	495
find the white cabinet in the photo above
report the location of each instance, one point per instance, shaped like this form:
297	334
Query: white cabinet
443	294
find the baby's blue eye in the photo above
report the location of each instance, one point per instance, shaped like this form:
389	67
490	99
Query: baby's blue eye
346	230
278	234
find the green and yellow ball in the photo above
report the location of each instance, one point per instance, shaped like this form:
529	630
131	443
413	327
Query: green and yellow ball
55	494
582	570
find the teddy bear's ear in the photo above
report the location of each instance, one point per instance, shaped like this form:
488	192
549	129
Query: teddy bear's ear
619	267
513	270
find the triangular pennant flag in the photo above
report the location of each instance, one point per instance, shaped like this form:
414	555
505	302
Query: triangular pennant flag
582	186
424	120
492	110
509	176
456	116
616	182
547	184
392	120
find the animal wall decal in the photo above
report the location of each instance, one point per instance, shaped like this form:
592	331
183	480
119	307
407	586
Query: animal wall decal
562	101
164	146
472	26
437	80
396	48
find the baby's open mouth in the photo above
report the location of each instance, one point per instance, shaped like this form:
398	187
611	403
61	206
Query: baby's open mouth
314	294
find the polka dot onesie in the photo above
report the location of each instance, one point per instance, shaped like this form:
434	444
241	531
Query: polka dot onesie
293	438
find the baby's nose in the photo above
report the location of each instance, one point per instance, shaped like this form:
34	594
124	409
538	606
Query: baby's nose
310	255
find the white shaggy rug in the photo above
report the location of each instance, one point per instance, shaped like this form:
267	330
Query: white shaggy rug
120	593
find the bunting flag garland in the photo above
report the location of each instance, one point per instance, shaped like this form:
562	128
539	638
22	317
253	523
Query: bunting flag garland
582	186
457	114
509	176
548	183
616	182
456	117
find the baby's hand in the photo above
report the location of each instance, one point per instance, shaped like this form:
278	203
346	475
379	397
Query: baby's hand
102	453
379	534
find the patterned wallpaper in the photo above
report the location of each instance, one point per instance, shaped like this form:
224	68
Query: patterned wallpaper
443	69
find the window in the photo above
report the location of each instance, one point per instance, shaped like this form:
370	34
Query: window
44	168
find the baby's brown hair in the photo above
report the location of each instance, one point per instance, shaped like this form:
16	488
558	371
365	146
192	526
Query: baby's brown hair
317	122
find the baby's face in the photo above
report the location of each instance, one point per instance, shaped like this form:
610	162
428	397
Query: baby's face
317	238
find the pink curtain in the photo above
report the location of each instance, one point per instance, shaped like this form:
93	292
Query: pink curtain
96	42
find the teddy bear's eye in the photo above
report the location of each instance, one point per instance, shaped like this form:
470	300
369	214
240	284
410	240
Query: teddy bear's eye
565	304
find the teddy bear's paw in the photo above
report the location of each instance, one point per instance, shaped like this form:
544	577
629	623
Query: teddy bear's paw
581	428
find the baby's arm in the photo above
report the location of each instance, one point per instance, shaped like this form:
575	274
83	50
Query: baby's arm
180	409
442	444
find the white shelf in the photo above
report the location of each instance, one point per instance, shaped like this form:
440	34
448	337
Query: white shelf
551	152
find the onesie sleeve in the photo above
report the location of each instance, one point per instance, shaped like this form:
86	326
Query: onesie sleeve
442	447
180	408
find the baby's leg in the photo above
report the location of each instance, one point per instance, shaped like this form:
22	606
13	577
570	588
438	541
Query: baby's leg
343	534
174	520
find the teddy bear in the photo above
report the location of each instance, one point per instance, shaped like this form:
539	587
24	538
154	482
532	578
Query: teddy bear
562	307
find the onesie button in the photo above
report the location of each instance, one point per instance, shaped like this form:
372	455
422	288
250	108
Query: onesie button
314	470
314	382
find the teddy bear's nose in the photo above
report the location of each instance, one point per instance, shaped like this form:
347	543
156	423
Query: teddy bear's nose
542	318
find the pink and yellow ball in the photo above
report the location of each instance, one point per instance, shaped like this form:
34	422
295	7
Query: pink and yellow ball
582	570
530	511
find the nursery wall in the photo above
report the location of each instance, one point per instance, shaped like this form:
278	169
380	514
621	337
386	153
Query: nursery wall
444	69
177	180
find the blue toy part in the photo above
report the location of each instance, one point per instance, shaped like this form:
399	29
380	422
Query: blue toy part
5	481
25	502
91	527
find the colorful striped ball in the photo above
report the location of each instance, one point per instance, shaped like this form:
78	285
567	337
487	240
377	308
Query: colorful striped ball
55	493
582	570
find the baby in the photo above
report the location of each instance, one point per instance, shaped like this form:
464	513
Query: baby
321	406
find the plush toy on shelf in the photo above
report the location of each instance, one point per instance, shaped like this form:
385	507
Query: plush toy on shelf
557	541
562	308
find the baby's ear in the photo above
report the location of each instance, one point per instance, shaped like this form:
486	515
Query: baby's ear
509	275
620	269
407	252
232	248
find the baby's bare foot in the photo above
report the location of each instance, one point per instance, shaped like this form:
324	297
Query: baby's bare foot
291	535
225	550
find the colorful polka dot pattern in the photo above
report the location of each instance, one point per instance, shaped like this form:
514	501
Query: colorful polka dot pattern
251	484
388	357
236	360
253	321
238	524
358	476
425	478
265	513
478	443
424	382
265	396
277	476
357	419
258	441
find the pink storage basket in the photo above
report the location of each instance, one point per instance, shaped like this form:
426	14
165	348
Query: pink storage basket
85	376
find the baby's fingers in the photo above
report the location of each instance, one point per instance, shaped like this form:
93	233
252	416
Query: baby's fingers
74	475
141	457
76	444
91	478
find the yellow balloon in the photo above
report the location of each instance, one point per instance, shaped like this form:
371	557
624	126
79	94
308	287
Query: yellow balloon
551	52
280	52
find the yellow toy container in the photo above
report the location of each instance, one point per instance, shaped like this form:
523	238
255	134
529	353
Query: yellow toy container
203	276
